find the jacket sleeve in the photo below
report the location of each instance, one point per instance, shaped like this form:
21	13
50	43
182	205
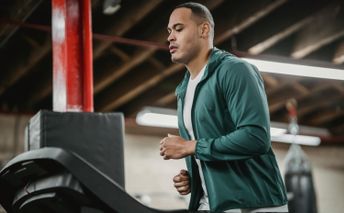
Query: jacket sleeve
244	93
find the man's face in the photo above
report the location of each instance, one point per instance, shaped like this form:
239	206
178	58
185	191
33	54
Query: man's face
183	36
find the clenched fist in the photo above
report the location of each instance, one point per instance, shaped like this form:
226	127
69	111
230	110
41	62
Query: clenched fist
175	147
182	183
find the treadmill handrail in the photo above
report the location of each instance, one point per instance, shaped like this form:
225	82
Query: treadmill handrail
89	176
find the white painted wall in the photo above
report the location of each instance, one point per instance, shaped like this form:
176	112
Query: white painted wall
11	135
148	173
328	174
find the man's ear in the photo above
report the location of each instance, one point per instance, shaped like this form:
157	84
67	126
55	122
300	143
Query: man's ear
204	30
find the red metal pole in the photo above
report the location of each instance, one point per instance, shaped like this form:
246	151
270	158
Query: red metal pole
72	55
88	56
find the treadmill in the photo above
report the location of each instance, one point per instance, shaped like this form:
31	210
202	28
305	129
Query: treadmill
73	163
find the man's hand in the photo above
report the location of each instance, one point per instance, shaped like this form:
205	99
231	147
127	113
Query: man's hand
175	147
182	183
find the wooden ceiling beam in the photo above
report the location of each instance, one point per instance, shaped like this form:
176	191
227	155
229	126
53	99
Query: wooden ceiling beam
140	10
140	88
338	57
45	87
121	54
326	117
112	75
19	11
122	88
281	103
238	20
32	42
302	89
167	99
147	99
139	57
338	130
277	89
316	105
25	67
339	86
263	36
299	97
268	42
156	63
246	20
326	27
269	80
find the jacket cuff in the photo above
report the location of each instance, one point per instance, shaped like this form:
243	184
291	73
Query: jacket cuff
202	147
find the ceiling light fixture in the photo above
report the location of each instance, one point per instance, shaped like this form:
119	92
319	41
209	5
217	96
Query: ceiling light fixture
274	131
297	69
157	117
167	118
298	139
111	6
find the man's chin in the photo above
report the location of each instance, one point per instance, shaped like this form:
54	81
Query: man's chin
175	59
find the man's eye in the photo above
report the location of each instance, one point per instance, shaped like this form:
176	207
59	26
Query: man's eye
179	29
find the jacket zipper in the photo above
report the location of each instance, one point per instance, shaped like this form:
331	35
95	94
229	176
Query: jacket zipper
182	116
196	134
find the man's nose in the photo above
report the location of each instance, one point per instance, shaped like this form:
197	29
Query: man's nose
171	37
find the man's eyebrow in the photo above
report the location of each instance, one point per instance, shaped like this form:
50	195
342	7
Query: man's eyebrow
175	25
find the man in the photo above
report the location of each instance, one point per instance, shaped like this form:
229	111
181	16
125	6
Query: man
223	122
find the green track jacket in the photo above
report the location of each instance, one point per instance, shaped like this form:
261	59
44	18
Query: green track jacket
231	124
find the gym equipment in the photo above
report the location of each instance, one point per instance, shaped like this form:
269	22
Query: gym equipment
298	175
299	182
73	163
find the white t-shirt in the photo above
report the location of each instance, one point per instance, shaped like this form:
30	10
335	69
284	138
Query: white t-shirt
188	101
189	96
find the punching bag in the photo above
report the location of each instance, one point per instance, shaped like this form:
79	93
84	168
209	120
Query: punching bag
298	173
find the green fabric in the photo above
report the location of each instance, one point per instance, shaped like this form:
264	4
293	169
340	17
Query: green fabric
231	124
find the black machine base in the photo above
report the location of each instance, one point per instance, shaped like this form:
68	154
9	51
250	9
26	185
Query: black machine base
55	180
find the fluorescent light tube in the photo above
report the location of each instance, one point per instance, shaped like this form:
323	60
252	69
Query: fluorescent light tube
111	6
298	139
296	69
277	131
157	117
160	117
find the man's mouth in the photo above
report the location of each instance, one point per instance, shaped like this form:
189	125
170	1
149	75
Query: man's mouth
173	49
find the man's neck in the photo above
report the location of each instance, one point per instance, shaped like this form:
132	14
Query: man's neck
196	65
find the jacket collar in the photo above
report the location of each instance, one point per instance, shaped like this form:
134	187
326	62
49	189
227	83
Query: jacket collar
215	58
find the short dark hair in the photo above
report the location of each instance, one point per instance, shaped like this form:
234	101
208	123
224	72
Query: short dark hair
200	11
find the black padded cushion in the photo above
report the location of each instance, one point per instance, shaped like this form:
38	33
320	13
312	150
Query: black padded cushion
96	137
